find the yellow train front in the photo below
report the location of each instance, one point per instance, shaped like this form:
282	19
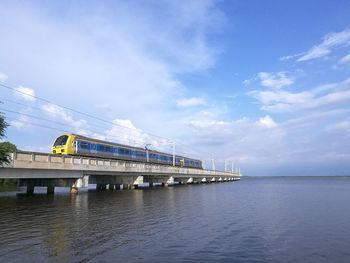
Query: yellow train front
72	144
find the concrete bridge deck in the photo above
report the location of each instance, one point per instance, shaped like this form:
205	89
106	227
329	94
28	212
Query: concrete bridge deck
42	169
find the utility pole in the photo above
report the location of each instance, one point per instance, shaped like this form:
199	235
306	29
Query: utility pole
212	163
147	154
173	153
225	165
232	167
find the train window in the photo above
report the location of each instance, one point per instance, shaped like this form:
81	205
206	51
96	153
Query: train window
124	151
62	140
140	154
83	145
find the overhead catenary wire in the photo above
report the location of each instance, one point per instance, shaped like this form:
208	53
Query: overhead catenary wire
53	128
74	110
65	124
81	128
87	115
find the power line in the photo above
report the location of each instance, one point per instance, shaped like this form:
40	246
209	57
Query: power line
73	110
64	124
84	114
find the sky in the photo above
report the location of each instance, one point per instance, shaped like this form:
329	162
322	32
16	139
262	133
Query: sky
264	85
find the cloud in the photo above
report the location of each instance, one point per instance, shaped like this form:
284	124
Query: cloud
283	101
247	82
206	123
345	59
291	56
25	93
123	131
275	80
58	113
246	140
191	102
267	122
131	69
330	41
343	126
20	122
104	106
3	77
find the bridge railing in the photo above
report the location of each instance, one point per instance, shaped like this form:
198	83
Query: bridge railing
41	160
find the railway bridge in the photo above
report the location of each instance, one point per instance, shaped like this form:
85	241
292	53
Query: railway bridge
42	169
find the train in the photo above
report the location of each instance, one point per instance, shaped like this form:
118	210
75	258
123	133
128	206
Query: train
73	144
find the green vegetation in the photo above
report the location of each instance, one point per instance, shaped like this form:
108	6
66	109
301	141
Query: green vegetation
5	149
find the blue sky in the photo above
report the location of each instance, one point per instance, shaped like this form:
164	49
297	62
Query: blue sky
263	84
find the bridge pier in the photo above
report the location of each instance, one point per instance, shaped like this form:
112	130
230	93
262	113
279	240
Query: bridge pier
50	189
170	181
41	169
101	187
30	189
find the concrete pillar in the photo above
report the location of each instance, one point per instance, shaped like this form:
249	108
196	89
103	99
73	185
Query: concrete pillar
204	180
190	180
50	189
82	182
101	187
30	189
137	182
170	181
213	180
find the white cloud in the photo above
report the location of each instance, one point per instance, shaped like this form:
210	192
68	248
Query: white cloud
58	113
25	93
206	123
275	80
247	81
267	122
330	41
291	56
191	102
20	122
283	101
345	59
103	106
3	77
97	54
343	126
124	132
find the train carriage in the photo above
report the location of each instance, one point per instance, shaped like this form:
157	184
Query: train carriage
72	144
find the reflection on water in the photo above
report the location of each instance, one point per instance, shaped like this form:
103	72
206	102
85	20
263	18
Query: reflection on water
263	220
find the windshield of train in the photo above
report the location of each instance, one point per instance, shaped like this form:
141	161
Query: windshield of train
61	140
